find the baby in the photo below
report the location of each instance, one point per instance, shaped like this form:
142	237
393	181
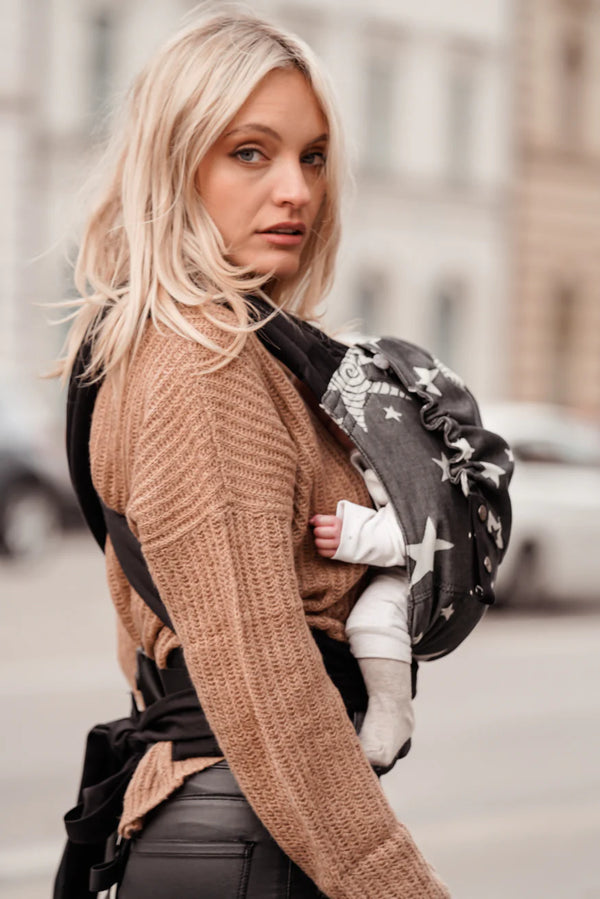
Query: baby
377	626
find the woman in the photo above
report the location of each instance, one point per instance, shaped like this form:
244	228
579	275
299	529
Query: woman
224	181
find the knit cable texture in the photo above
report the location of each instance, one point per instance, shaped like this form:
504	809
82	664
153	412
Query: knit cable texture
218	475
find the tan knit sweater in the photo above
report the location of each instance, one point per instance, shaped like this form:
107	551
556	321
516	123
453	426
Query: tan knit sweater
218	475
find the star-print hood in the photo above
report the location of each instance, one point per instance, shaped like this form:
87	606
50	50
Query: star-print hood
419	428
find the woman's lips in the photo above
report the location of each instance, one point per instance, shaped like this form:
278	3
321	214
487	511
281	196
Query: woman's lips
282	240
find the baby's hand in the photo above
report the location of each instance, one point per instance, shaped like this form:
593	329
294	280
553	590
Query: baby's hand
327	530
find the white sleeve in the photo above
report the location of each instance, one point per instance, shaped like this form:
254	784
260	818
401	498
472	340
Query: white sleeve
377	626
370	536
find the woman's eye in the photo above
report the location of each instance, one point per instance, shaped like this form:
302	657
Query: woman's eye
317	158
248	154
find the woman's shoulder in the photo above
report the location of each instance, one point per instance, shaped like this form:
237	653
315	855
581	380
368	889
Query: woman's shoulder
181	421
196	345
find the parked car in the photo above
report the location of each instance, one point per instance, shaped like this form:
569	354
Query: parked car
554	552
36	498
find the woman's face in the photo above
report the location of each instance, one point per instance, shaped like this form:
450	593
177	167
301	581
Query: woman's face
263	181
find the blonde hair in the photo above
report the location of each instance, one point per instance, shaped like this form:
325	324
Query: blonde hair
149	244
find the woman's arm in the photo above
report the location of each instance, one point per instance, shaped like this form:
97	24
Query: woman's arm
361	535
212	493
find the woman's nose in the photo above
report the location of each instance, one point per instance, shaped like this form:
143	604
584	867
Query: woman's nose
291	185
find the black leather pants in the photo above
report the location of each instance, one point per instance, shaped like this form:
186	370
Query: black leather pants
205	842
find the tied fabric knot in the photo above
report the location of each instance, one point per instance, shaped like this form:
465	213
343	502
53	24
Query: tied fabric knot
113	751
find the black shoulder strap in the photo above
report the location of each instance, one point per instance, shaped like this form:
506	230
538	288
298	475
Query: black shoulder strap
308	352
80	406
131	559
100	519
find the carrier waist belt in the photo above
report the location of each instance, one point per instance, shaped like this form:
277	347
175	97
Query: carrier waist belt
113	751
173	712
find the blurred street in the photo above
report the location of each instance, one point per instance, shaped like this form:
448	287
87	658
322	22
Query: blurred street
501	790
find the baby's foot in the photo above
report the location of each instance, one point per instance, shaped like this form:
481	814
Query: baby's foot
385	731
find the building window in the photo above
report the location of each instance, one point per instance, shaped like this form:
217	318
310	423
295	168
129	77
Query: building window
564	347
101	60
370	300
571	89
460	120
448	315
379	111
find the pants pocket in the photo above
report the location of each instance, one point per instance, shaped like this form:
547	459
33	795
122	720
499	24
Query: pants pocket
176	869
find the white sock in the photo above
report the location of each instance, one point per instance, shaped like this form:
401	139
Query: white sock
389	721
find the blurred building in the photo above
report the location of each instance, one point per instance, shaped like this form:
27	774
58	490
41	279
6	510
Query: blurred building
556	302
63	63
424	90
426	93
23	207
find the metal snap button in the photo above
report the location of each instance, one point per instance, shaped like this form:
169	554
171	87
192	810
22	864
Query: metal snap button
482	512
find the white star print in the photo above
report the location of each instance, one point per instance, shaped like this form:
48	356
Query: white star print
444	463
422	553
510	455
355	387
392	413
447	612
464	447
493	472
494	526
464	482
448	373
426	379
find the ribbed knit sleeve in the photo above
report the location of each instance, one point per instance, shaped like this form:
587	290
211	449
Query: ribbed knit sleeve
213	474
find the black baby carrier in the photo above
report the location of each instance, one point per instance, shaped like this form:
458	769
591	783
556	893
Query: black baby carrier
419	429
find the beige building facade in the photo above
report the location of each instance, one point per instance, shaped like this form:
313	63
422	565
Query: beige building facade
556	298
424	94
425	91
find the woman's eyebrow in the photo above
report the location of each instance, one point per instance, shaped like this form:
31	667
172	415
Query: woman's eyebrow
264	129
254	126
319	139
